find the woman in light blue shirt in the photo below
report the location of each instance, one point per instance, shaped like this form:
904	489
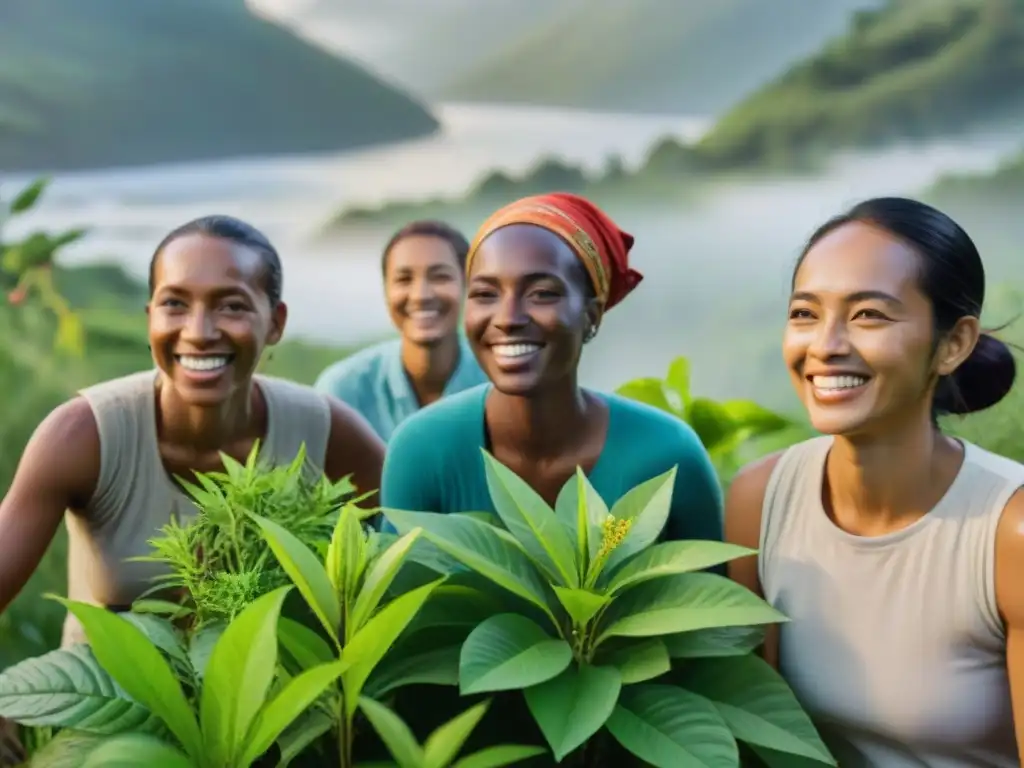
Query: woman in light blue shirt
423	266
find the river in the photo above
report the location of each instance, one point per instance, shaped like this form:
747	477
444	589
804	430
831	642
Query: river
711	269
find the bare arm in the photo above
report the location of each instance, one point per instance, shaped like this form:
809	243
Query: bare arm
59	470
743	527
1010	599
354	448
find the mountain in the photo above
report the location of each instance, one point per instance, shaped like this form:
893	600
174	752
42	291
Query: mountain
99	83
421	44
678	56
909	70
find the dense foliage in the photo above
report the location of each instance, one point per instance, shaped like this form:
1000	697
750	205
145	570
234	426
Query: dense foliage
619	644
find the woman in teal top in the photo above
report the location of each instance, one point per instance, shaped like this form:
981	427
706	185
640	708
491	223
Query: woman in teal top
423	267
541	273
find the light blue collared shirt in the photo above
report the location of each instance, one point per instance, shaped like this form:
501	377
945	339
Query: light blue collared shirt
374	382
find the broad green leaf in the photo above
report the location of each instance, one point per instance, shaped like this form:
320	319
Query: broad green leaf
581	604
69	689
754	418
573	706
439	666
238	677
137	666
500	756
303	644
306	572
581	510
444	744
647	506
453	605
368	646
132	750
533	523
482	548
650	391
509	652
296	697
66	749
307	728
673	557
394	733
668	727
718	641
757	704
678	379
641	661
682	603
202	644
380	576
162	634
710	421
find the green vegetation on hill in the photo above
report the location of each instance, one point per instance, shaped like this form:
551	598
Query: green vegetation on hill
1005	183
112	83
910	70
688	56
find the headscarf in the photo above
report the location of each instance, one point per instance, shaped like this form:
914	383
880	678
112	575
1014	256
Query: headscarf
593	236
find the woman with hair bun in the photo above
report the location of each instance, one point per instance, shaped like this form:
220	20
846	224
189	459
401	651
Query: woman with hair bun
897	551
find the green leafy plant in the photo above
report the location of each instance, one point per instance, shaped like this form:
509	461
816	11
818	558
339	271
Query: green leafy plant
219	703
619	632
723	427
347	594
29	263
444	744
218	558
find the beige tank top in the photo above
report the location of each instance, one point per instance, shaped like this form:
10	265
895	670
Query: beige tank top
895	645
135	496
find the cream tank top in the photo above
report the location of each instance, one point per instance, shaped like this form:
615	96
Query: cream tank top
895	645
135	496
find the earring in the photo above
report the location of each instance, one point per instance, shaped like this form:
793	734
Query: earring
590	334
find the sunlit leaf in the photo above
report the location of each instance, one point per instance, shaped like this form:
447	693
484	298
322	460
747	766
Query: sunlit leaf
682	603
533	523
444	744
573	706
238	677
674	557
137	666
581	604
509	652
647	506
669	727
380	576
717	641
134	750
395	734
641	661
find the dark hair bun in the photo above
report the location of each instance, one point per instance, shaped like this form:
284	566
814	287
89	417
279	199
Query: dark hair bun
981	381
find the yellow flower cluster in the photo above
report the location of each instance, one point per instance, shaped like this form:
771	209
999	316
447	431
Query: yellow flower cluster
613	531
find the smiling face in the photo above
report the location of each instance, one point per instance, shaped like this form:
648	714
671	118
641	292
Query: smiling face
528	308
423	285
210	317
860	341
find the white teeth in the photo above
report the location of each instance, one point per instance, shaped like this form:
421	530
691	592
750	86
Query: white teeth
838	382
424	314
515	350
204	363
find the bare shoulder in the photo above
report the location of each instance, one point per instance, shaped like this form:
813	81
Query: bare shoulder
745	499
1010	561
63	456
354	448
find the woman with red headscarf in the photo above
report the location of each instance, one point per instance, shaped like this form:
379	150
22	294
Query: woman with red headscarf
541	273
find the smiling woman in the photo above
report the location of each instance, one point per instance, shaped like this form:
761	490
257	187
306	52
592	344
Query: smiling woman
897	551
108	460
542	273
424	285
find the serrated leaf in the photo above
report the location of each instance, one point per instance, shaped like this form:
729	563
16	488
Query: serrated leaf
69	689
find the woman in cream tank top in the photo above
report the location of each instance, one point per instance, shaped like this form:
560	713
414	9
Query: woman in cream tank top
105	460
896	552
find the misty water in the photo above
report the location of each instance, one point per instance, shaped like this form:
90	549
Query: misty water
716	270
